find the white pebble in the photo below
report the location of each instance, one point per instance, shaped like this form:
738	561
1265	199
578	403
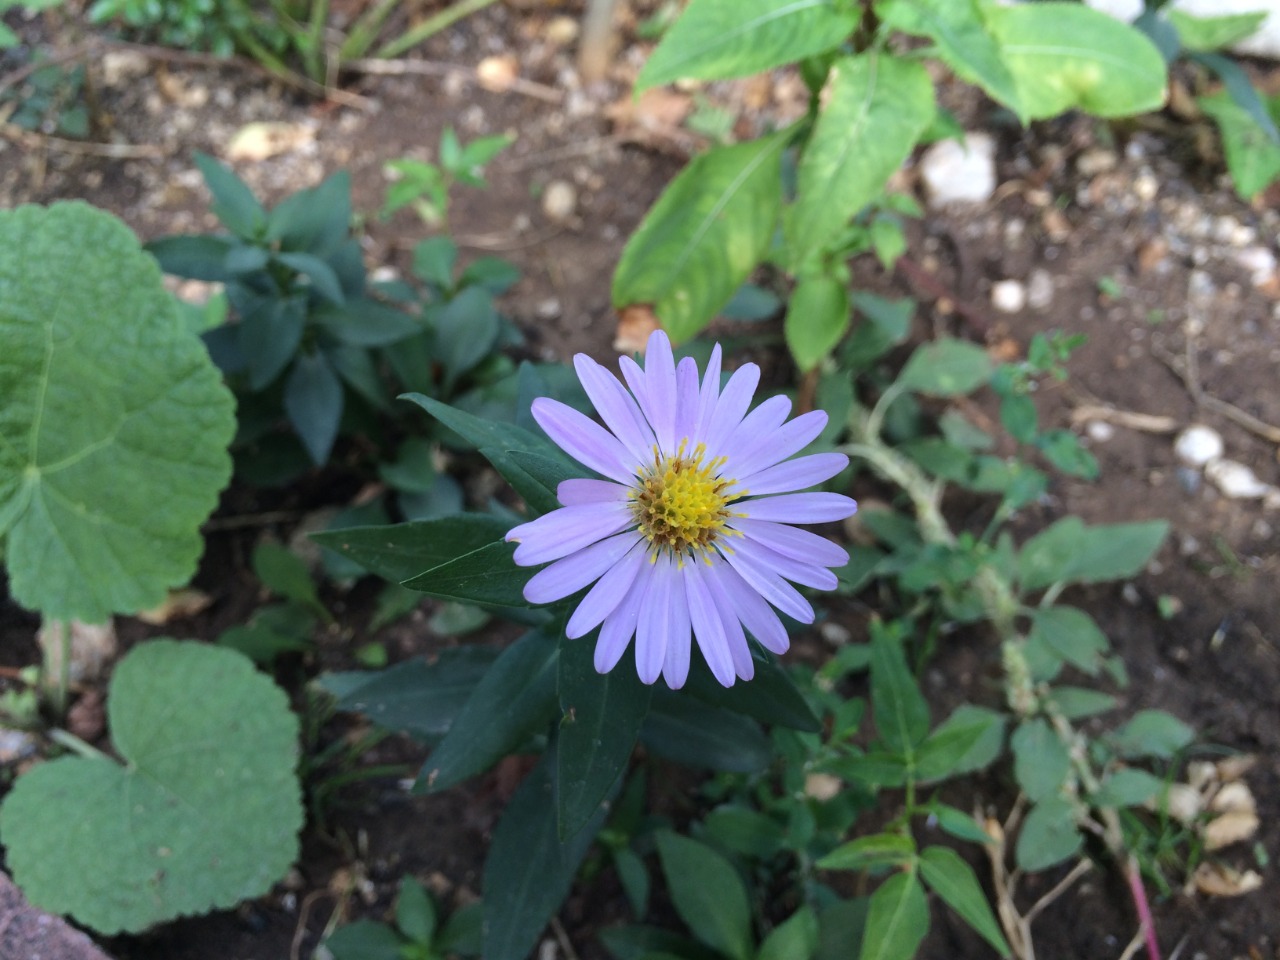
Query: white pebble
559	200
960	173
1039	289
1197	445
1008	296
1099	430
1235	480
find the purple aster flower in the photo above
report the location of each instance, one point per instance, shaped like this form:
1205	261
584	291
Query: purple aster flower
691	531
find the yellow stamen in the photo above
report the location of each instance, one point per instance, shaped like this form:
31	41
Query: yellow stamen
679	502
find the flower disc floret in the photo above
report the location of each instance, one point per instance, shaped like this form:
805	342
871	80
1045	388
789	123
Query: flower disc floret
678	455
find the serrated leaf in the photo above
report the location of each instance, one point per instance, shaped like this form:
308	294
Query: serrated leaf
191	821
1040	761
901	714
515	698
1152	733
114	423
962	42
817	317
528	871
1070	552
714	39
415	697
955	882
897	920
946	368
1065	55
704	236
599	729
877	850
707	893
877	107
1048	836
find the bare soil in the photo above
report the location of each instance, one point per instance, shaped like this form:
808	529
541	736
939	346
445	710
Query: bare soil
1146	251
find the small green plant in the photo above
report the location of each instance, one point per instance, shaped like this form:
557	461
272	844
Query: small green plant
426	186
49	100
417	933
7	37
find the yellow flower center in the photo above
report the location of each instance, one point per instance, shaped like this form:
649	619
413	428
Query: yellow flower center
680	503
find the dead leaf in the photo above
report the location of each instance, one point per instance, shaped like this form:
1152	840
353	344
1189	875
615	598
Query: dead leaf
634	326
1230	828
186	602
1219	880
264	139
1233	768
1234	797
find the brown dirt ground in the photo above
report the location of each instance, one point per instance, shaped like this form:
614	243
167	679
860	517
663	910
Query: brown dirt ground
1216	663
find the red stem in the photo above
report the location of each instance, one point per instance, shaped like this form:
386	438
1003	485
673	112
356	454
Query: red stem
1139	894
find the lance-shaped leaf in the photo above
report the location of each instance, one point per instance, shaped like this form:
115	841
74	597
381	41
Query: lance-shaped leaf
897	920
735	38
877	108
955	882
488	576
708	894
400	551
114	423
707	232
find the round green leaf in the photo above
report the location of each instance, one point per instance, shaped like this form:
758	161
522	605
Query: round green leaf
114	423
203	812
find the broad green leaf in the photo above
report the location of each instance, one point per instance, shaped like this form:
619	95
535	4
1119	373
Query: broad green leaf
434	260
528	871
796	938
317	220
696	734
313	401
465	332
958	823
946	368
400	551
955	882
962	40
901	714
1072	634
323	280
714	39
499	440
365	940
414	697
515	699
1127	788
1048	836
601	722
707	232
1152	733
707	893
817	317
1070	552
877	107
640	942
745	831
877	850
1067	56
233	202
969	740
840	926
114	423
1040	761
1253	158
196	257
203	812
897	920
415	911
1214	33
1076	703
367	323
488	576
285	573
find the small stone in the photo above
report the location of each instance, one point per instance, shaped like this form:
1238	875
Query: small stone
1259	261
960	173
119	66
1197	445
1095	161
1008	296
822	786
16	745
498	74
547	309
1235	480
1146	186
1099	430
559	200
562	31
834	633
1039	289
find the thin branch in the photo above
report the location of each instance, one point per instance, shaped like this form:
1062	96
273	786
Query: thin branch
431	68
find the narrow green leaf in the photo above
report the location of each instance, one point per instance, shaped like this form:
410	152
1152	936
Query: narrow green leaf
529	871
365	940
323	280
1253	159
897	920
269	335
313	400
233	202
688	731
201	257
515	699
744	831
488	575
877	850
1040	761
817	317
704	236
946	368
465	332
796	938
285	573
959	824
877	107
707	893
714	39
400	551
900	711
1065	55
955	882
1048	836
599	729
962	40
317	220
415	911
367	323
770	697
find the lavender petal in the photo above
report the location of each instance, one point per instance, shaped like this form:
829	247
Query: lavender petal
731	407
654	624
779	444
675	667
771	586
708	628
798	571
620	625
616	407
794	474
584	439
570	574
560	532
756	615
660	384
792	542
798	508
708	395
606	596
580	491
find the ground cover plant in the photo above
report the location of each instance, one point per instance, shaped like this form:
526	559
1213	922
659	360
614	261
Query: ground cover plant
833	810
